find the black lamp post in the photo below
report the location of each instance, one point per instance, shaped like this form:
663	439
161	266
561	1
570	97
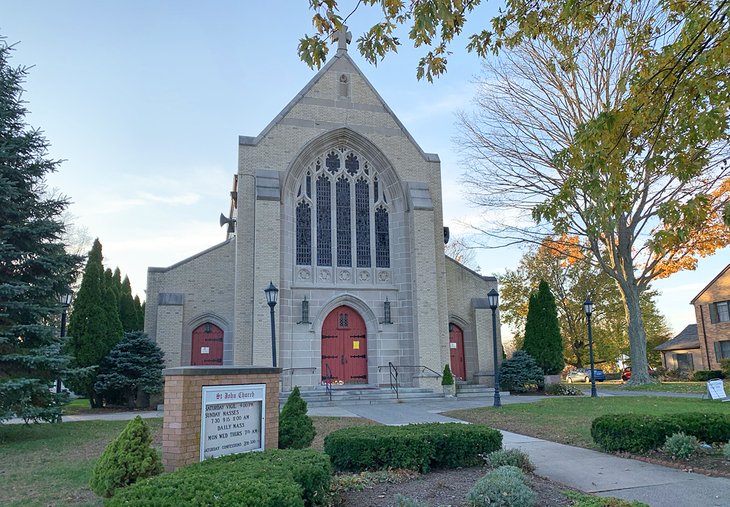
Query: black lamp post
271	294
65	300
588	308
493	298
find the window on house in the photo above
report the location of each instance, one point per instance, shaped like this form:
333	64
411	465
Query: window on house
720	312
347	214
722	350
684	362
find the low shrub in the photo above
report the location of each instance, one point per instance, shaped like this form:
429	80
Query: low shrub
414	446
296	429
725	367
503	487
562	390
521	373
641	433
672	375
513	457
681	446
447	379
705	375
726	450
128	458
274	478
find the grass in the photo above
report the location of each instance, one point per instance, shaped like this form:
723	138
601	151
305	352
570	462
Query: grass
670	387
568	420
51	464
77	406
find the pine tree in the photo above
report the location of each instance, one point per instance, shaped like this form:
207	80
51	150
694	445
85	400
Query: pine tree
132	367
94	326
34	266
128	312
542	331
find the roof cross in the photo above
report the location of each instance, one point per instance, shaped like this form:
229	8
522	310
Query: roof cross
343	38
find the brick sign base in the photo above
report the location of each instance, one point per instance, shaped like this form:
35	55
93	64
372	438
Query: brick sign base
183	403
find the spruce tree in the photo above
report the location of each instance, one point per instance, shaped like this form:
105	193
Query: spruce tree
94	326
542	331
128	312
133	366
34	265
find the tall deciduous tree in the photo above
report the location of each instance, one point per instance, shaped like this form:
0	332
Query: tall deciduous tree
34	266
94	325
542	331
603	119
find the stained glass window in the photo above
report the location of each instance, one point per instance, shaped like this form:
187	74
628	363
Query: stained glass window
344	232
309	185
304	233
382	239
324	222
362	223
333	162
375	189
352	165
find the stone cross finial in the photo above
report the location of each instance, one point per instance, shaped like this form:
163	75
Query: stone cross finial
343	38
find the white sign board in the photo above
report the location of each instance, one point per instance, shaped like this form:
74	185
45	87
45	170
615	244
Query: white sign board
717	390
232	420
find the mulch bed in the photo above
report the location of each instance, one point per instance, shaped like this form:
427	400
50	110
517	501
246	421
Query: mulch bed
446	487
705	461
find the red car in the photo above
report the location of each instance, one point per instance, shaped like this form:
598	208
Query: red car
626	374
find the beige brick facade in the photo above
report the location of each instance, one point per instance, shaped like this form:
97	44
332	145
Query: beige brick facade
337	111
713	328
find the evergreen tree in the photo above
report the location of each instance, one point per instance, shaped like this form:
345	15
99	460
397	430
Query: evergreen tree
542	331
128	312
133	366
296	429
94	326
139	308
34	265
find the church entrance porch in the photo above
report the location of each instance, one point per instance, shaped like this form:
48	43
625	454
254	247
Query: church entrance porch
456	349
344	347
207	347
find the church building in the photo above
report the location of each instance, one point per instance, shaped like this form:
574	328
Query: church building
337	205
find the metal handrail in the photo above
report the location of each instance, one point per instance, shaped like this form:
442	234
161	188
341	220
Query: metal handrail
420	366
393	376
328	381
291	371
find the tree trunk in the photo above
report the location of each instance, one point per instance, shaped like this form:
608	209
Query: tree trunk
637	335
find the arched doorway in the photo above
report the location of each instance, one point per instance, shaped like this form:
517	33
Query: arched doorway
456	348
207	349
344	347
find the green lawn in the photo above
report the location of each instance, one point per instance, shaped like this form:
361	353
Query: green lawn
51	464
568	419
670	387
76	406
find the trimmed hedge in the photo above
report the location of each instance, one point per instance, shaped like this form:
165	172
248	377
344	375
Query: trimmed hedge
641	433
705	375
274	478
414	446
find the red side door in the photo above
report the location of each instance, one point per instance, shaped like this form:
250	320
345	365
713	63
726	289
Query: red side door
456	347
207	345
344	347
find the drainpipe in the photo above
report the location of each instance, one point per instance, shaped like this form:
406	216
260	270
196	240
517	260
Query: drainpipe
704	336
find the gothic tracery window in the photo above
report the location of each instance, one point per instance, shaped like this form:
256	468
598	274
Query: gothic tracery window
342	213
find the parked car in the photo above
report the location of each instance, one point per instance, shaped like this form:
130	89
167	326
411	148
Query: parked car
626	373
584	375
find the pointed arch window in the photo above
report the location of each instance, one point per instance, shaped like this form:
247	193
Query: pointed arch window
342	213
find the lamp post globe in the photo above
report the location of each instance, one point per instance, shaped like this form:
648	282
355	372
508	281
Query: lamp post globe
271	295
588	309
493	300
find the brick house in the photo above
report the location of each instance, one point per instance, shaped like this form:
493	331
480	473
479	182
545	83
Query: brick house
337	204
712	310
683	351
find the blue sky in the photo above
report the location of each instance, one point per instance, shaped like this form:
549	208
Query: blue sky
145	102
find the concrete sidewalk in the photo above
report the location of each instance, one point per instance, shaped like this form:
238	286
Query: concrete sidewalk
115	416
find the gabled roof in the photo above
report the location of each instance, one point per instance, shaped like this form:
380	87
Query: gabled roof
343	58
687	339
709	284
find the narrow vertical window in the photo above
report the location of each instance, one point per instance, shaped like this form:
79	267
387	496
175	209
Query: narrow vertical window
309	185
344	232
324	222
333	162
382	239
362	223
304	233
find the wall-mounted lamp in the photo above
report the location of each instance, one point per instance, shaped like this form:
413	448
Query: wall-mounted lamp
305	312
207	327
386	312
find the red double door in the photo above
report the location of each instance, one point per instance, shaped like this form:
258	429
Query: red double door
344	347
456	348
207	348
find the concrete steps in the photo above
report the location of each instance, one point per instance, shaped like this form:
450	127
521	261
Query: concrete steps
353	395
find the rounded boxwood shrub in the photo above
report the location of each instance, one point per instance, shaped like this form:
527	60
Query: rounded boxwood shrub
296	429
521	373
512	457
286	478
126	459
503	487
641	433
414	446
